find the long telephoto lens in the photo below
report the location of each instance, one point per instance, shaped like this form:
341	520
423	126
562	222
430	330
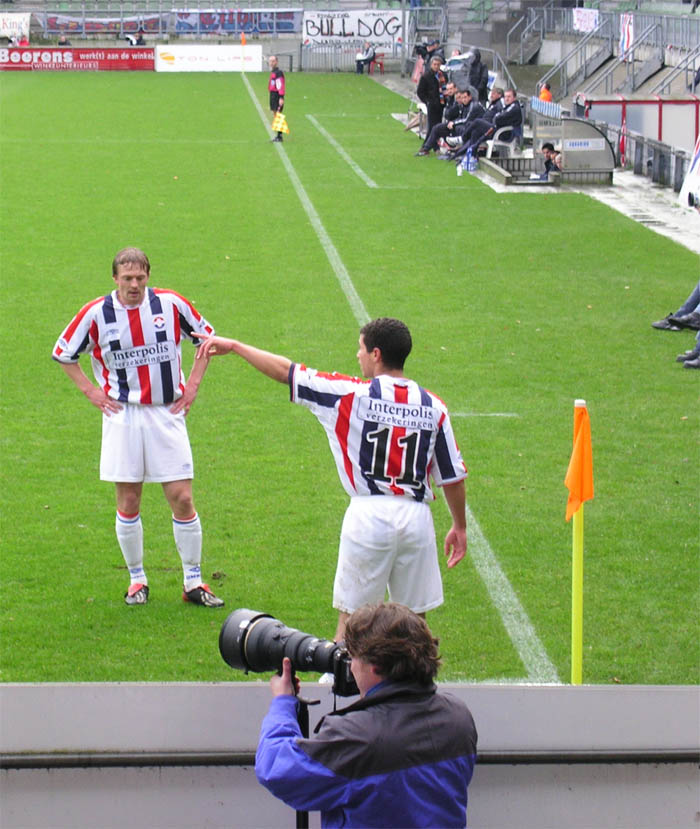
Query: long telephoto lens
254	641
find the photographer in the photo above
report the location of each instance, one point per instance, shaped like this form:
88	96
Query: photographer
402	755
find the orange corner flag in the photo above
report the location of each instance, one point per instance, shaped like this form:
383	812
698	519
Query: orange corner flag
243	41
579	475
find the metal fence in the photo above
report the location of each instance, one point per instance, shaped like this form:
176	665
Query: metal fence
679	32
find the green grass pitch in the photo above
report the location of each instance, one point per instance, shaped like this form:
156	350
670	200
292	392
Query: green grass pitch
518	304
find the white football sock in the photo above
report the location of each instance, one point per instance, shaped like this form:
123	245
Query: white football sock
188	540
129	531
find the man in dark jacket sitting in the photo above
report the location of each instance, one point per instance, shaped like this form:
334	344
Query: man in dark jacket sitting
402	755
509	114
457	117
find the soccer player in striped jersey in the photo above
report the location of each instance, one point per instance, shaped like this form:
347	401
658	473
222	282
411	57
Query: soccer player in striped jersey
388	436
133	336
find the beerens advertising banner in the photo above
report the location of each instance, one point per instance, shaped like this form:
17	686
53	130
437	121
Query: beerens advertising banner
86	60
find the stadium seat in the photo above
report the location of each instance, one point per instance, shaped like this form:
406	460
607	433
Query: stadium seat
513	146
378	61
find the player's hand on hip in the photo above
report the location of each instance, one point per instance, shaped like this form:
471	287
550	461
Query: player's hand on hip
101	401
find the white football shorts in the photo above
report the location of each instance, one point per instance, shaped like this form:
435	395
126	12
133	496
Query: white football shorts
145	443
387	542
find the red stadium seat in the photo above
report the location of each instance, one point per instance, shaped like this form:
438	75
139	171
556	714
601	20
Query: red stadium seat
378	61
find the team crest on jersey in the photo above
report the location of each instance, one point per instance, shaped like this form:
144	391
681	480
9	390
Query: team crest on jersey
159	323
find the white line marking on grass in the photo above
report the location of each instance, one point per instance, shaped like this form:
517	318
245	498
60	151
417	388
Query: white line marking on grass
484	414
341	152
356	304
515	620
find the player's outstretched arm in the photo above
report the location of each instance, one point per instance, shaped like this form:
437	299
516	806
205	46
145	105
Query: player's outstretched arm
272	365
456	538
95	395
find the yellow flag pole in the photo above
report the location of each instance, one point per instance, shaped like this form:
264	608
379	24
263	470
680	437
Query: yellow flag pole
577	599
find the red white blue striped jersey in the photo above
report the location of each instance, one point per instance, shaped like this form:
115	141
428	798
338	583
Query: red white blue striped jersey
135	352
388	435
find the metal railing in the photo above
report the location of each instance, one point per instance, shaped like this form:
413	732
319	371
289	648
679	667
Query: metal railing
514	33
607	79
578	58
679	32
688	67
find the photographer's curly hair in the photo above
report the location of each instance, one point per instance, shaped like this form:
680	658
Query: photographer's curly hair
395	640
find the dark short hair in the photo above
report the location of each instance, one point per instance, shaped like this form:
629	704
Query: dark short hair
548	146
130	256
395	640
391	337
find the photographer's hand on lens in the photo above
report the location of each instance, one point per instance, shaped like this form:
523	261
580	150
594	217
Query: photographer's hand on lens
286	684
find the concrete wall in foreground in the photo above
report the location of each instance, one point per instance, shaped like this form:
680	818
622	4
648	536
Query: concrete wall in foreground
180	755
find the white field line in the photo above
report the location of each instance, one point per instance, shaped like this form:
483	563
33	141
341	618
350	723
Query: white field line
484	414
337	264
341	152
515	619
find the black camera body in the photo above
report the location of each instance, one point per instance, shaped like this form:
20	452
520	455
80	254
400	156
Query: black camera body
253	641
694	200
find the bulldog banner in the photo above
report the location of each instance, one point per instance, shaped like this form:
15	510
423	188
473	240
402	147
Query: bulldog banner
382	28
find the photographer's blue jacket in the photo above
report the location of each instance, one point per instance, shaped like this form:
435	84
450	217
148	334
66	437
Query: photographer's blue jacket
402	756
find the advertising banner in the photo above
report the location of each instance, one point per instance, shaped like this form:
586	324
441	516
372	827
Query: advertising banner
85	60
382	28
151	24
238	22
198	58
14	25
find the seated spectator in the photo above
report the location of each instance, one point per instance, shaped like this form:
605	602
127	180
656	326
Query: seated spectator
552	161
456	118
495	109
140	39
687	316
23	40
63	40
449	96
546	92
510	116
364	58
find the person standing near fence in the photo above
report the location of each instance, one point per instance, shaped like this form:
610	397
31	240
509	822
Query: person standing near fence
276	88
